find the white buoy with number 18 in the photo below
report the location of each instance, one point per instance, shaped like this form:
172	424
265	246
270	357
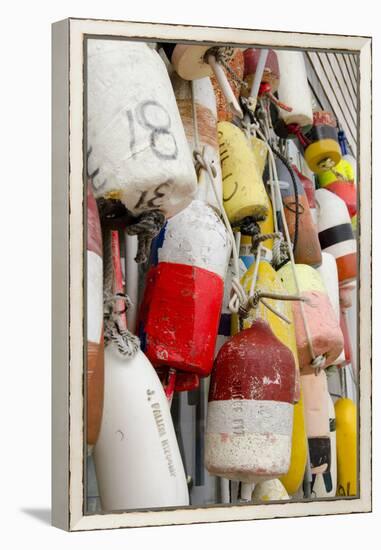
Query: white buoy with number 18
137	149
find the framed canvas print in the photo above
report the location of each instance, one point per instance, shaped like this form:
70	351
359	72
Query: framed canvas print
211	274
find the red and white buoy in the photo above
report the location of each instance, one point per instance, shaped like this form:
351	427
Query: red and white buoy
250	411
336	234
181	307
94	304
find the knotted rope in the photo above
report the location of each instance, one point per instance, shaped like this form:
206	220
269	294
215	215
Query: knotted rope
146	227
126	343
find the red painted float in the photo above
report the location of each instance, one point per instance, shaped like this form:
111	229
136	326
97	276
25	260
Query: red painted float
346	190
250	411
182	301
270	73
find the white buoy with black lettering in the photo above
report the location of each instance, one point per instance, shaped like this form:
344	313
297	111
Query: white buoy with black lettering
324	485
137	149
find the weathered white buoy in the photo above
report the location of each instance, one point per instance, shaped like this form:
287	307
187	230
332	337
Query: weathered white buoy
181	307
270	489
336	234
250	411
137	458
94	304
204	121
137	149
293	88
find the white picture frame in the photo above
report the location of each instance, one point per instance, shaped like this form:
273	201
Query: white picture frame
68	447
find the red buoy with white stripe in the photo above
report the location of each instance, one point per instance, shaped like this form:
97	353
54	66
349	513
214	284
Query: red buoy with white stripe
94	303
250	411
182	301
346	190
137	149
336	234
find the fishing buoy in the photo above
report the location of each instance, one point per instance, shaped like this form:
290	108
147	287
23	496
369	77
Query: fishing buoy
307	249
192	62
249	419
235	65
270	489
342	171
205	117
294	91
323	327
293	479
328	272
322	148
137	459
137	149
348	354
94	304
309	189
270	72
346	437
336	234
346	155
346	294
315	393
181	307
324	485
346	190
260	151
244	194
269	281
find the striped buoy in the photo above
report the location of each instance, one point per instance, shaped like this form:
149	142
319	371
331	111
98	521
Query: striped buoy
322	148
235	65
293	479
346	190
244	194
94	304
137	149
249	419
270	73
205	117
182	301
315	393
336	234
324	485
268	490
346	437
323	326
294	91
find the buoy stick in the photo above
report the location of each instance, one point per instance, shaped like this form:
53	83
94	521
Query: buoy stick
225	86
132	275
259	74
225	490
118	279
246	491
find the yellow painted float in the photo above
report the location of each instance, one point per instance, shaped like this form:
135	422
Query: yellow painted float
346	442
343	169
243	189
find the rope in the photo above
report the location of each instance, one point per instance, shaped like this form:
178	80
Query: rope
223	55
126	343
146	227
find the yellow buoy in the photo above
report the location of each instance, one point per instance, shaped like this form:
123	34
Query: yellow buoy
294	477
267	226
260	153
342	170
269	281
346	443
318	152
244	192
268	490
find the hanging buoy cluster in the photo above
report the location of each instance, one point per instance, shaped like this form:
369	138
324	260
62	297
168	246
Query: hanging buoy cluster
241	258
